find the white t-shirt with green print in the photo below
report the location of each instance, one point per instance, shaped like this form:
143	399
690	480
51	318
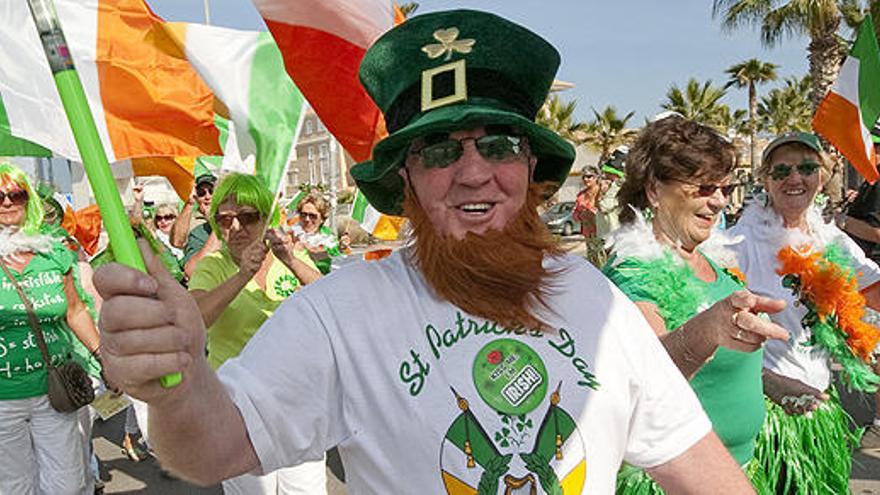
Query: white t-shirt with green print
422	398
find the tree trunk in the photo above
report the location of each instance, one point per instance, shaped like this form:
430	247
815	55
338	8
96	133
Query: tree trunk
753	129
825	56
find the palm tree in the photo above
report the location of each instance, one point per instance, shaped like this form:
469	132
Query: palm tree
820	20
733	123
853	14
787	108
698	102
749	74
408	9
558	116
608	131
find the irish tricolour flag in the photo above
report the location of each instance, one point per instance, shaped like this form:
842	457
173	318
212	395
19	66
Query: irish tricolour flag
246	72
144	102
852	107
378	225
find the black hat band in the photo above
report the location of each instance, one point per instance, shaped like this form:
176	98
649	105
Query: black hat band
484	84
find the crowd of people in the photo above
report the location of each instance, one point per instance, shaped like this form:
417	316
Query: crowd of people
478	358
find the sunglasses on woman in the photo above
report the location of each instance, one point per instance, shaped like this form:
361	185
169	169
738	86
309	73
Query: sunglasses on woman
16	197
203	190
310	216
162	218
782	170
706	190
245	218
440	150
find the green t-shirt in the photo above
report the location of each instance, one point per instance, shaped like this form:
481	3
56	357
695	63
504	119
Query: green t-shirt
22	369
729	386
250	308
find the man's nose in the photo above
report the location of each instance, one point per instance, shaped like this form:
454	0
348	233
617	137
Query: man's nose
473	169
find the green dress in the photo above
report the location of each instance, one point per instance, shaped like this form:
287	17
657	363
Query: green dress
729	385
22	368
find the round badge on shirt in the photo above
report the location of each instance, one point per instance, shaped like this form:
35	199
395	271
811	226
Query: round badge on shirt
510	377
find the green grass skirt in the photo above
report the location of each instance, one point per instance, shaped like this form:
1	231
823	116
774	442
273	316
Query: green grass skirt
808	455
794	454
633	481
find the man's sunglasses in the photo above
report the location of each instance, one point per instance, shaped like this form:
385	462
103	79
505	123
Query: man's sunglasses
245	218
706	190
16	197
782	170
162	218
203	190
440	151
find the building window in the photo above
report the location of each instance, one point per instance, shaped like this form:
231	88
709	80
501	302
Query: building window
310	127
311	163
324	159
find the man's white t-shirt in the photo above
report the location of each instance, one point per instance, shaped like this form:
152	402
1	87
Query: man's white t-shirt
763	237
421	398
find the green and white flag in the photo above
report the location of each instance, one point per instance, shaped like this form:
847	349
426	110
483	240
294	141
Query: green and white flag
377	224
14	146
246	72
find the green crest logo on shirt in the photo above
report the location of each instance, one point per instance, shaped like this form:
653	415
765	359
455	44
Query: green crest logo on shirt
510	377
286	284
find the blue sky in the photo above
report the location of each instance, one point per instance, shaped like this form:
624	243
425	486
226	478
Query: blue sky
624	53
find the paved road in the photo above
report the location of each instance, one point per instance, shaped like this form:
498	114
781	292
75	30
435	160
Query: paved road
145	477
125	476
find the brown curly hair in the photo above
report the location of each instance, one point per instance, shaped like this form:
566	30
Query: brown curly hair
672	148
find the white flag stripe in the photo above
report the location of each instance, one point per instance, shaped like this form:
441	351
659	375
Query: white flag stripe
229	82
847	86
368	18
23	66
80	32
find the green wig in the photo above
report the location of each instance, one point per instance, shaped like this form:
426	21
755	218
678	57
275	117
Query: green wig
246	190
33	213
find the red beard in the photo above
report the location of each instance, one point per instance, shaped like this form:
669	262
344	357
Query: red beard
499	275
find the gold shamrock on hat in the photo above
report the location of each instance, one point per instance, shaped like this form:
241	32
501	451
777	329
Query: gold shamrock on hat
449	44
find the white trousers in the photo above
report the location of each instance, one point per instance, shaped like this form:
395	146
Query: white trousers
309	478
41	449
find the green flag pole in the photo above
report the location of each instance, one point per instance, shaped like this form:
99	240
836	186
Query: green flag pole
91	150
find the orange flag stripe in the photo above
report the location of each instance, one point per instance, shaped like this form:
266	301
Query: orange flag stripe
839	121
154	104
178	171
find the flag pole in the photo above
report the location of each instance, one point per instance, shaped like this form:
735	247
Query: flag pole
207	13
91	150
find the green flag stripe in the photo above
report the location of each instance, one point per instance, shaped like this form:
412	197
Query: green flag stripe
465	427
359	207
556	421
13	146
222	125
866	50
275	111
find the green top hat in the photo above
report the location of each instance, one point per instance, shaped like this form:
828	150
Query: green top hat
455	70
